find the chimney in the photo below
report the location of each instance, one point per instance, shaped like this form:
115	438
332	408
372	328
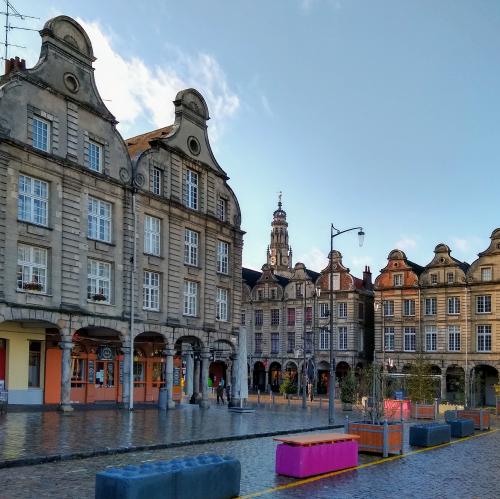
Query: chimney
15	64
367	278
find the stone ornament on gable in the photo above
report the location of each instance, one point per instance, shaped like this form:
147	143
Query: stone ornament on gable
124	175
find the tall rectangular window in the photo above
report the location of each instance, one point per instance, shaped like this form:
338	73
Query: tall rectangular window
483	304
35	356
324	339
99	220
222	257
291	342
388	308
361	310
291	317
434	278
389	339
258	342
484	338
275	343
430	338
409	307
309	315
156	181
95	156
343	338
486	274
398	280
430	306
298	290
308	341
275	316
192	189
342	310
41	134
190	247
450	277
99	281
324	310
32	201
222	304
454	338
453	305
152	229
410	339
151	290
190	298
221	209
259	317
243	317
31	268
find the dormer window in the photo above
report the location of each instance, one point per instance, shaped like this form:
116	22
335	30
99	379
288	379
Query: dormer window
221	209
450	277
95	156
434	279
398	280
486	274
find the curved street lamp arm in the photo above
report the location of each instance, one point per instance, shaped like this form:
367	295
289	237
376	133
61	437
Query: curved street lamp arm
338	232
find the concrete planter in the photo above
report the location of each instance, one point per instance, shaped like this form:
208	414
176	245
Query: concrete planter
424	411
379	438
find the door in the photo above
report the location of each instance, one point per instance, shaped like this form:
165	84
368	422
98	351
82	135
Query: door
3	357
105	380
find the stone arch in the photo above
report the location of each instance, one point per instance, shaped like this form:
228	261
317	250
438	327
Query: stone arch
483	377
275	377
323	375
341	369
455	384
259	376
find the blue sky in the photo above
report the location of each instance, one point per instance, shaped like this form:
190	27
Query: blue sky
384	114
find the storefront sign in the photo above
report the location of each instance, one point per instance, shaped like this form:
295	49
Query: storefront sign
91	371
106	353
177	376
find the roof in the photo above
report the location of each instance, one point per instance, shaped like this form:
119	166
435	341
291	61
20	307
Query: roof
312	274
418	269
140	143
250	276
463	265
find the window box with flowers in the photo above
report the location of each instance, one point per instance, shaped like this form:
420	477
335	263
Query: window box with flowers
99	297
33	286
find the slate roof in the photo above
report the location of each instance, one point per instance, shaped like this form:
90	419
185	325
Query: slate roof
418	269
140	143
250	276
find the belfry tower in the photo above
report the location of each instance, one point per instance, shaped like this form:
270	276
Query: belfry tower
279	253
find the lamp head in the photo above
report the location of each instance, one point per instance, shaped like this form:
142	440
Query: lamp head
361	236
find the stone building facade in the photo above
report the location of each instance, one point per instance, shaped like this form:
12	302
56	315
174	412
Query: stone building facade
448	311
285	309
119	260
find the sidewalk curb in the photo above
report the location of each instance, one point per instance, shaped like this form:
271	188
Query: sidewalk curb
32	461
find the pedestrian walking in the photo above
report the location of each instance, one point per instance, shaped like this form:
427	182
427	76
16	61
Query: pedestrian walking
220	394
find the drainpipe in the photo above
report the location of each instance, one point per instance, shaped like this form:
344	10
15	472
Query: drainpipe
132	304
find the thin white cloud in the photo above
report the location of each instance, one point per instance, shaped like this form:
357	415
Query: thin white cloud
266	105
461	244
314	259
406	243
135	91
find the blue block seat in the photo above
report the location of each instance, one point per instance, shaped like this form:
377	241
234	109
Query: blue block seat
427	435
461	427
207	476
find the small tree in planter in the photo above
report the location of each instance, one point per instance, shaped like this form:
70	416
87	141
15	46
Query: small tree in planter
348	388
421	389
287	387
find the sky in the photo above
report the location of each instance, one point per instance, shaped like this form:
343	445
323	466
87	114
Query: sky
380	114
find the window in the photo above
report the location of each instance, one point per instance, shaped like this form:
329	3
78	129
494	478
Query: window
309	315
483	304
222	301
308	341
324	310
343	338
298	290
275	343
398	280
32	201
361	310
95	156
31	268
35	355
342	310
486	274
222	257
156	181
190	298
259	317
258	342
336	282
408	307
98	281
221	209
151	290
410	339
453	305
484	338
99	220
389	339
388	308
324	339
434	278
275	316
190	247
430	338
192	189
430	306
260	294
450	277
243	317
273	293
152	229
291	342
291	317
41	134
454	338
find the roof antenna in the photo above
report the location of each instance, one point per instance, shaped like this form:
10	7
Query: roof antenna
11	11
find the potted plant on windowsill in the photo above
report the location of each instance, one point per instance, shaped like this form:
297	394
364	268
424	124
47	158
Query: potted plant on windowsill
99	297
376	434
421	390
33	286
348	388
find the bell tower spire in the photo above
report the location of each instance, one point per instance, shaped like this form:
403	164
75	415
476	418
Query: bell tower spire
279	255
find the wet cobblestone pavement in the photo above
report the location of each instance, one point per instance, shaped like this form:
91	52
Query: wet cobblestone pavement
466	469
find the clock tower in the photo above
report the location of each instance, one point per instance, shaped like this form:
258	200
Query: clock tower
279	253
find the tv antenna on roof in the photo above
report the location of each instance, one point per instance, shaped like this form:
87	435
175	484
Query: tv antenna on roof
11	11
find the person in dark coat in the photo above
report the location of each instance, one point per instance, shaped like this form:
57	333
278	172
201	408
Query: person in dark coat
220	394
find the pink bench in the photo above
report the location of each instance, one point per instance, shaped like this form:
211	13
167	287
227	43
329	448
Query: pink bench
309	455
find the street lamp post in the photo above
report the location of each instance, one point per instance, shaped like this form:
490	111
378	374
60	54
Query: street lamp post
304	399
334	232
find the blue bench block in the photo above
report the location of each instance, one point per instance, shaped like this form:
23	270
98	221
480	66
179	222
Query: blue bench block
202	477
461	427
450	416
427	435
